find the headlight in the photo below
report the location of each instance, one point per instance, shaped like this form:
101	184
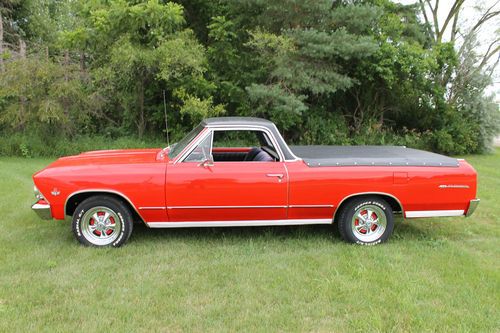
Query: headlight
38	195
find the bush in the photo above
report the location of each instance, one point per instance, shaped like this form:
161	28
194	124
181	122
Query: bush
324	129
37	146
333	130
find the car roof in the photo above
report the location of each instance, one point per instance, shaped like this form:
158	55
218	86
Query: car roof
237	121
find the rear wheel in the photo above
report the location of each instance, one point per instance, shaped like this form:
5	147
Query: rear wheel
102	221
366	221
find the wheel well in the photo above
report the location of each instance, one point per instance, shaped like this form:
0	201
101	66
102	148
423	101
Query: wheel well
395	204
77	198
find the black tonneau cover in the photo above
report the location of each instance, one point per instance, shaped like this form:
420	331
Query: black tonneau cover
318	156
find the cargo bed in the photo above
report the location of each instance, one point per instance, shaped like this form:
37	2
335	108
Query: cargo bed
318	156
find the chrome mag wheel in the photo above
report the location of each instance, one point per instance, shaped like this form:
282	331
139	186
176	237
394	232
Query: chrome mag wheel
101	225
369	223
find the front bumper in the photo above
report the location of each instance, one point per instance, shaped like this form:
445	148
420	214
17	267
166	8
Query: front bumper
472	207
42	208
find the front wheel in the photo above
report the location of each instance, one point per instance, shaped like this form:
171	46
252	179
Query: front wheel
366	221
102	221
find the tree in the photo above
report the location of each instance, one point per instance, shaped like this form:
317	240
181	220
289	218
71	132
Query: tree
463	36
305	54
341	72
40	91
138	50
466	80
8	33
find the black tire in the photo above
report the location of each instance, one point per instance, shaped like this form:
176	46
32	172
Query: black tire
114	231
362	229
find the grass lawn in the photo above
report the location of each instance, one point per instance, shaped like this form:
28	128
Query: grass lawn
433	275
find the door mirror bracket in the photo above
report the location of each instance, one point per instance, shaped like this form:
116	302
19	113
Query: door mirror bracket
206	163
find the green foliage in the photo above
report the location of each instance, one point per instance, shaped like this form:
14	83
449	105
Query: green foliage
309	59
39	144
347	72
478	112
334	130
25	152
276	103
43	93
181	57
145	48
327	129
198	109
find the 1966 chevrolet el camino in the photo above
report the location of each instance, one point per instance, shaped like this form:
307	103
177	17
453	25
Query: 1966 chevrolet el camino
240	172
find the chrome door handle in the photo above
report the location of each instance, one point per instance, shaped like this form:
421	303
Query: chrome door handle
279	175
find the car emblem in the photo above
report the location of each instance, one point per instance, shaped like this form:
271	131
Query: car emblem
55	192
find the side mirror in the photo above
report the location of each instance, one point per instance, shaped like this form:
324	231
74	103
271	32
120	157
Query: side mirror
208	159
207	163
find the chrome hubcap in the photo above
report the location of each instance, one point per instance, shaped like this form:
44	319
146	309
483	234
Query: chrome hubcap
369	223
101	225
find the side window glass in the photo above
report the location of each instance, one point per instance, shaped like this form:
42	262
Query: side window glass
253	146
236	139
202	152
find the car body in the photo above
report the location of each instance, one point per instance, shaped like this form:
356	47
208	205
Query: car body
202	183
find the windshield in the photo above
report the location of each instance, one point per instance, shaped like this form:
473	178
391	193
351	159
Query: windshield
179	146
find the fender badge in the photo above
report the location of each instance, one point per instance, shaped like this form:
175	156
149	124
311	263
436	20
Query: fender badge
55	192
454	186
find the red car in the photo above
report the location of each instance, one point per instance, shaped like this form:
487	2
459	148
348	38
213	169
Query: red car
240	172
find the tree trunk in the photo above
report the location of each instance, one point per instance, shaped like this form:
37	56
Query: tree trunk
83	72
22	49
22	99
82	61
66	79
1	42
66	63
141	123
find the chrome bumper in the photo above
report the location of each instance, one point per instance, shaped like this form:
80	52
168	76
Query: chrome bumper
472	207
42	210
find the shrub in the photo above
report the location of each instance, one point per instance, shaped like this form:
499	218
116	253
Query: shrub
37	146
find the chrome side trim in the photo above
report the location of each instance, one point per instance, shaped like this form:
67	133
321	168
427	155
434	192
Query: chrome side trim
221	207
42	210
453	186
434	213
250	223
310	206
239	207
472	207
151	208
103	191
368	193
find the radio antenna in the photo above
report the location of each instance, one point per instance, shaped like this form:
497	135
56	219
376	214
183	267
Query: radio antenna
166	122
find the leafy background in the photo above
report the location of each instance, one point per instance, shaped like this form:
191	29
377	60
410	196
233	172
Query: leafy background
78	75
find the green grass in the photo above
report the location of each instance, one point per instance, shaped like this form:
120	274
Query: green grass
433	275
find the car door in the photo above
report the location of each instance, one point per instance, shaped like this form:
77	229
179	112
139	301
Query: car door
199	189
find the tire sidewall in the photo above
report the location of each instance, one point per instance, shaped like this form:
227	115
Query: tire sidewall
345	220
111	203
